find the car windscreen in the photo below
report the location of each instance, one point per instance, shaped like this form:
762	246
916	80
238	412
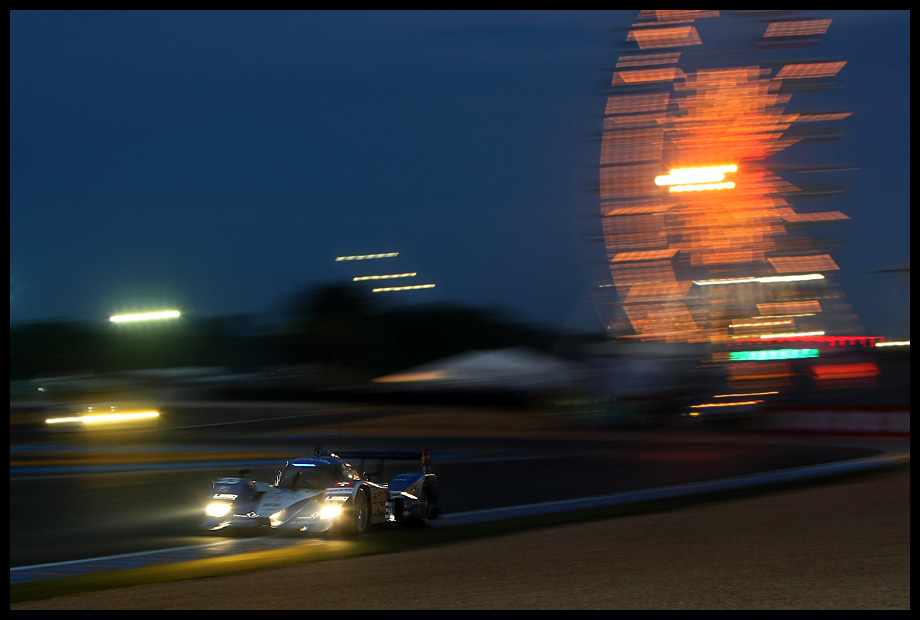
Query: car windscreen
308	476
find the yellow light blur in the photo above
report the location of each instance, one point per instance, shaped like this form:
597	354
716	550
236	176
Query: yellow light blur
217	509
385	289
389	276
414	377
102	418
792	335
791	308
732	404
762	323
772	392
145	316
894	343
367	256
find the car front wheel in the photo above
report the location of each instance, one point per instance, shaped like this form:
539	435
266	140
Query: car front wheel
354	519
360	512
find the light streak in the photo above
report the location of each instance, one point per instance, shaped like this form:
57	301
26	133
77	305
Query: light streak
802	70
652	38
762	323
846	371
145	316
367	256
798	28
772	354
791	335
732	404
817	337
386	289
691	176
704	187
384	277
770	393
104	417
763	280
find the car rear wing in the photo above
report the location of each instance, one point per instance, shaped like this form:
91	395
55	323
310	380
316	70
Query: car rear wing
423	457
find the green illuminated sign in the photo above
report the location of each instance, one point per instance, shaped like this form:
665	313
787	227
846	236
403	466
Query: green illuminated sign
772	354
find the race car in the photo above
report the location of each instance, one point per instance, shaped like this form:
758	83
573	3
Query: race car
323	493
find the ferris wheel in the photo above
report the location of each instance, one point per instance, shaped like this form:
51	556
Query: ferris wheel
702	237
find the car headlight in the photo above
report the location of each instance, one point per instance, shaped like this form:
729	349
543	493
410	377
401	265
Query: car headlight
217	509
330	511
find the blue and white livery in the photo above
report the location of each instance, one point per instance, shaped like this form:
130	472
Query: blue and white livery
323	493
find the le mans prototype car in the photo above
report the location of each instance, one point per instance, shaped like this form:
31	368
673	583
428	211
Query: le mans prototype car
323	493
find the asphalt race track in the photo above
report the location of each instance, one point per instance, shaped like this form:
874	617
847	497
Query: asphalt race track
840	546
510	462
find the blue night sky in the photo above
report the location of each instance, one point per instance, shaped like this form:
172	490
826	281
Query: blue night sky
219	161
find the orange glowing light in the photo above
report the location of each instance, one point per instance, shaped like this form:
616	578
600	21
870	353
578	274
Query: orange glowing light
665	16
672	36
810	70
798	28
693	176
740	403
644	76
646	60
637	104
769	393
803	264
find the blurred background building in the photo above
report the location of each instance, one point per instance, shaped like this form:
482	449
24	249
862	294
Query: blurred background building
703	238
710	196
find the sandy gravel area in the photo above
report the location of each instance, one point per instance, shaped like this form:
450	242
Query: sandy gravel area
840	546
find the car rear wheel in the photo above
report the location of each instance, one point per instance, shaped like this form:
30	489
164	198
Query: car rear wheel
428	509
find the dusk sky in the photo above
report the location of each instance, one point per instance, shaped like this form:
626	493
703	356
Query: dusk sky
217	162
